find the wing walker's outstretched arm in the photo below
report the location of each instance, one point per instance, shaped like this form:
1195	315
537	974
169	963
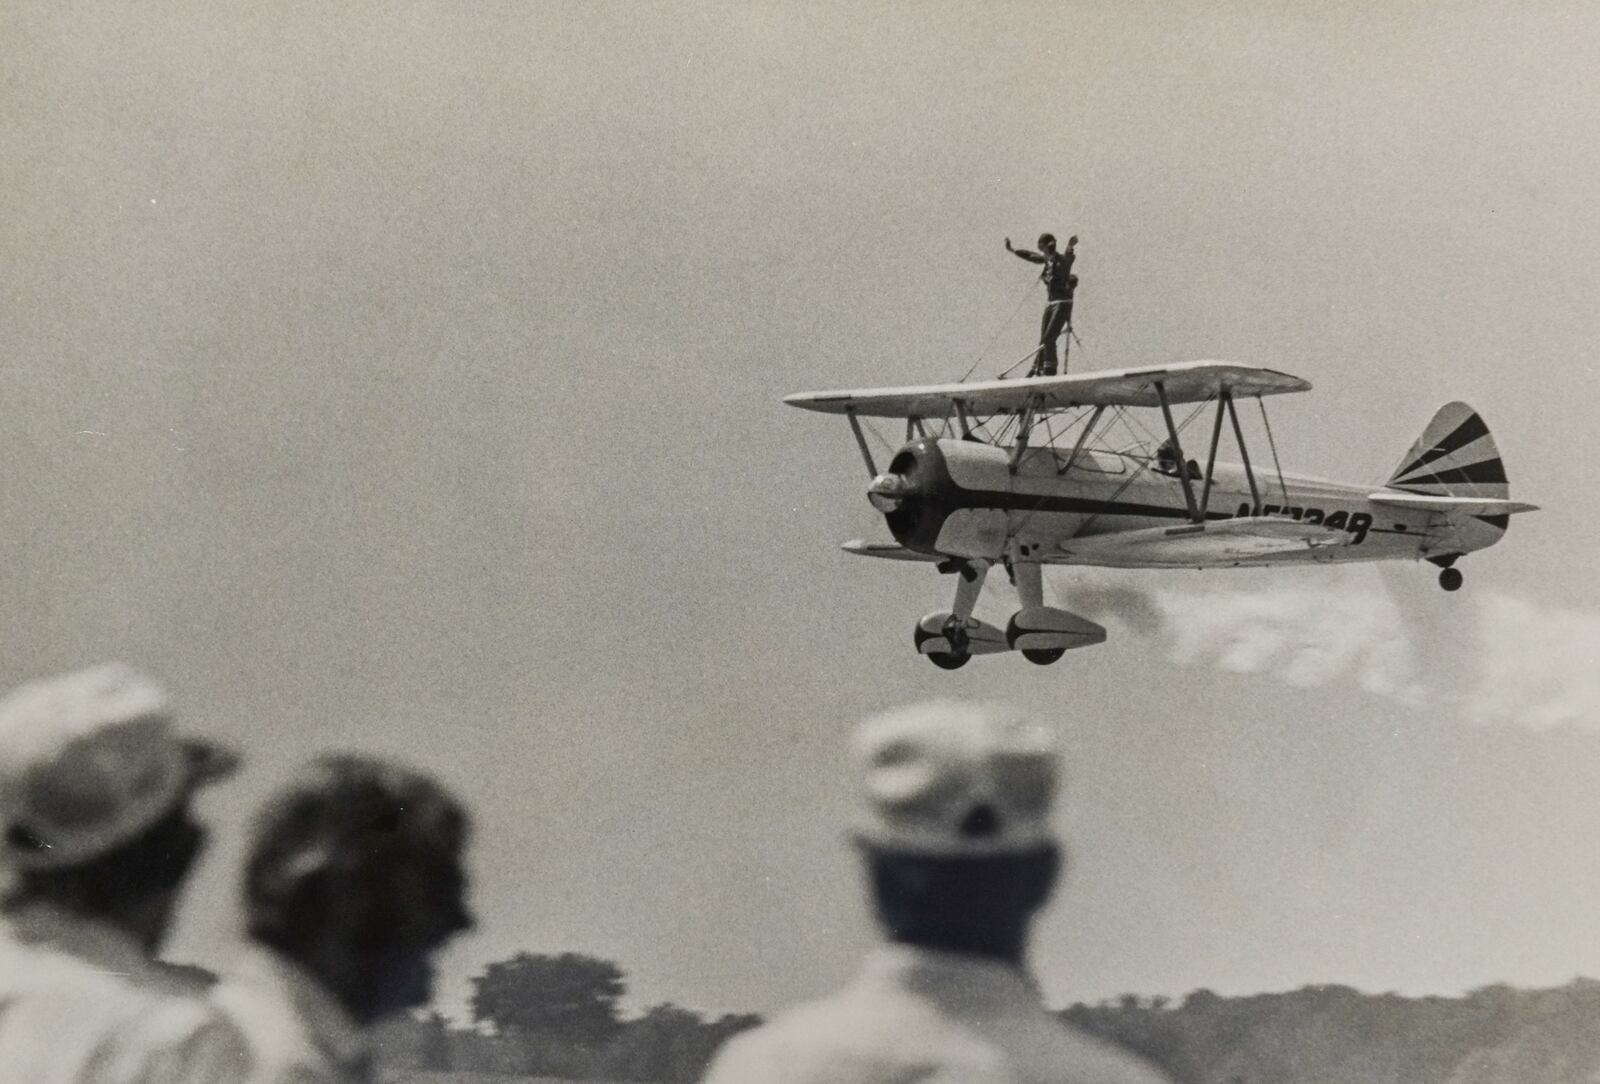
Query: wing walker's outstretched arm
1026	254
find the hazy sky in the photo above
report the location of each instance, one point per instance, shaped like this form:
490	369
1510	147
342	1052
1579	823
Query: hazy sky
406	377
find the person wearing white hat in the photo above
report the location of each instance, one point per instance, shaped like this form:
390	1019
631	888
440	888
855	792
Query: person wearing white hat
353	881
96	839
960	856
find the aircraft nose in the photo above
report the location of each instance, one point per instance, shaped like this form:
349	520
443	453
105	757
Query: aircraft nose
888	492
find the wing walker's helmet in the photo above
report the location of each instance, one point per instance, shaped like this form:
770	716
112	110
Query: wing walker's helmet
1047	240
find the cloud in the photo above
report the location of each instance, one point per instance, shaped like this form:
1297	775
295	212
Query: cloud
1491	657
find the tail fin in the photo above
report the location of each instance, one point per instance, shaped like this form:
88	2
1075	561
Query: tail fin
1454	457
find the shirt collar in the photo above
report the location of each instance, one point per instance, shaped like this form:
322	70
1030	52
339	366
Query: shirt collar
950	977
327	1023
102	945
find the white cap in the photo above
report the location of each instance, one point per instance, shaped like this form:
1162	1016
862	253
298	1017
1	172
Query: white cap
952	779
88	760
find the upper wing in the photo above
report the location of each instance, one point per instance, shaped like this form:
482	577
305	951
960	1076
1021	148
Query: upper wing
1184	382
1219	542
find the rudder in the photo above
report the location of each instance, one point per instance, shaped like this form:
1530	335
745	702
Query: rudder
1455	457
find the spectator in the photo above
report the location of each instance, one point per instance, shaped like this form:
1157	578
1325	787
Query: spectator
352	882
960	857
98	837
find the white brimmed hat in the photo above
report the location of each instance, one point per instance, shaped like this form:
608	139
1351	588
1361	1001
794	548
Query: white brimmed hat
952	779
88	760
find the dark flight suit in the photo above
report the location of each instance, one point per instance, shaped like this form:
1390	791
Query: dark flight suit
1059	285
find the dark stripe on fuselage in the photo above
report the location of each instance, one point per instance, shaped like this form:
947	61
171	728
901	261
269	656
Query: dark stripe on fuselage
1501	522
1463	435
1030	502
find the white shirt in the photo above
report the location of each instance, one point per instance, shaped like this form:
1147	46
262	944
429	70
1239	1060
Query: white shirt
932	1017
297	1031
81	1003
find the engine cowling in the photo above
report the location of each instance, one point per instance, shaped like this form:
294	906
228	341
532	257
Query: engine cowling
915	495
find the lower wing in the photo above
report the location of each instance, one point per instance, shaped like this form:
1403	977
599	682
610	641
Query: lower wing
1222	542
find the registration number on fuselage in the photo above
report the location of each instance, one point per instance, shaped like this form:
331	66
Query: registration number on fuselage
1357	523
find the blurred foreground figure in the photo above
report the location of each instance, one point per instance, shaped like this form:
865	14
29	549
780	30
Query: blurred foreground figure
353	881
95	795
960	857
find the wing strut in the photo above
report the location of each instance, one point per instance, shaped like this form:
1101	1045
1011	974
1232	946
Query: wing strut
861	441
1024	428
1244	454
1211	460
1177	450
1082	437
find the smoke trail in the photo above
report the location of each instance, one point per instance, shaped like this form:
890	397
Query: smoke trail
1539	666
1492	657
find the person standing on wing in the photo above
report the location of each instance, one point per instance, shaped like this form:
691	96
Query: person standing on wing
1059	284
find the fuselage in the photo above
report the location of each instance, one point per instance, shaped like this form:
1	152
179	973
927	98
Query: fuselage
964	499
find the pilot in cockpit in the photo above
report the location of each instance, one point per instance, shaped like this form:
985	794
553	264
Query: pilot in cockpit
1167	461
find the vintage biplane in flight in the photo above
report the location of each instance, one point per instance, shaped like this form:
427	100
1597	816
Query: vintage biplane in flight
1024	473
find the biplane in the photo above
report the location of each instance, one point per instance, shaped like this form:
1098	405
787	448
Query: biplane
1027	472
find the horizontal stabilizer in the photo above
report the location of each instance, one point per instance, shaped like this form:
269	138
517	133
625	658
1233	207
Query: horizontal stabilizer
1217	542
892	551
1465	506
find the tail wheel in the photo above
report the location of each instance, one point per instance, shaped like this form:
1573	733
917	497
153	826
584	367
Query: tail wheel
1043	656
1450	579
945	660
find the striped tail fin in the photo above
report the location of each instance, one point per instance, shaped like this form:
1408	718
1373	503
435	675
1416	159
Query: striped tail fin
1454	457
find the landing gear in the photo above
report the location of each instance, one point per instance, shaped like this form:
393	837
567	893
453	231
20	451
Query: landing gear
1043	656
955	628
955	631
1039	633
1028	576
947	631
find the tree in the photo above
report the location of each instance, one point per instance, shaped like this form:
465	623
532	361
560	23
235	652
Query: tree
433	1042
570	999
659	1046
670	1045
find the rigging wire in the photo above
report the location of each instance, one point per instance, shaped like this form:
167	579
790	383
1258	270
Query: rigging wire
984	352
1009	369
883	440
1278	465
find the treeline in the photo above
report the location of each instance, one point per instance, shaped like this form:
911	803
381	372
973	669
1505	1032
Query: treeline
1337	1035
560	1016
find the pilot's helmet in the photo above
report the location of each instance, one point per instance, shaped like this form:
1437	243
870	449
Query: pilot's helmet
1047	240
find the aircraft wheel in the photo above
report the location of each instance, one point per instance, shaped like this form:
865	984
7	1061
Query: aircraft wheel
946	660
1043	656
1450	579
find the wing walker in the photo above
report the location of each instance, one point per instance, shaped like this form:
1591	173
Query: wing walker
1029	472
